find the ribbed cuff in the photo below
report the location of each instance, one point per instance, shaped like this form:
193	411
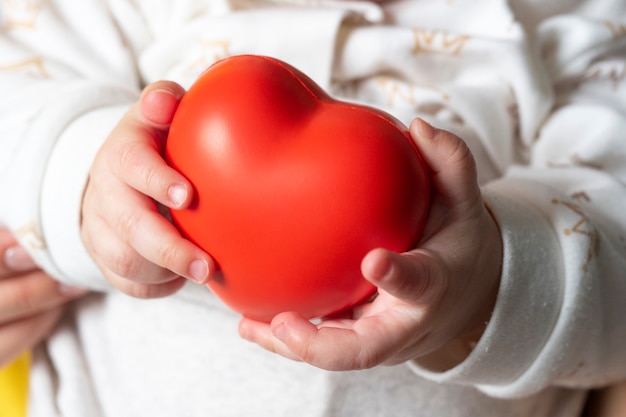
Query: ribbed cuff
63	187
529	298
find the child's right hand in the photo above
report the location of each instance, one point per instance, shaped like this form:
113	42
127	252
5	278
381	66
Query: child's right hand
123	227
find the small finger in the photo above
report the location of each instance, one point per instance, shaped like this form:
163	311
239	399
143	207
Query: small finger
369	342
122	260
148	280
136	160
415	277
156	239
450	160
261	334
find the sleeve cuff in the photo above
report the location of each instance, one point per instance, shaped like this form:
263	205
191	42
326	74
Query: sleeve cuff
64	181
532	281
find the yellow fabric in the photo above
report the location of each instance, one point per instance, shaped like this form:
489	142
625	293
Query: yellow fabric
14	387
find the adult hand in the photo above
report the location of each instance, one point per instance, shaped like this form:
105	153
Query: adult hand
31	302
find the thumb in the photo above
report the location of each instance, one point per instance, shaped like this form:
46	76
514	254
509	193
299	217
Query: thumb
159	102
416	277
450	160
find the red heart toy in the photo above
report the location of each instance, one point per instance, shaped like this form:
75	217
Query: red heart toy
293	188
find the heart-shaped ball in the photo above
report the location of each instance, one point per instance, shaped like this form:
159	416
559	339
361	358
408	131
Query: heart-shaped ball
292	187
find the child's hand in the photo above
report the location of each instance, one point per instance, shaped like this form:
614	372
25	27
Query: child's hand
430	300
125	231
31	302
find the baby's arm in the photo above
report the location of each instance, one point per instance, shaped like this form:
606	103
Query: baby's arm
433	302
130	188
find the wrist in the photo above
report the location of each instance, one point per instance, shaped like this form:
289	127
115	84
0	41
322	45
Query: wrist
62	195
489	266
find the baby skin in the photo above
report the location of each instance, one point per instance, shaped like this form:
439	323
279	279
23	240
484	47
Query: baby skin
432	304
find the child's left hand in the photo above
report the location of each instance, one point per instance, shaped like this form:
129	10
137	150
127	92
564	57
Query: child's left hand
125	227
430	300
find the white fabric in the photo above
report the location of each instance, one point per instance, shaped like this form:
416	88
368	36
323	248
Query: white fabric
537	90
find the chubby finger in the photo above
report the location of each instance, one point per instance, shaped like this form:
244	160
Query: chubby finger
416	277
131	219
364	343
32	293
159	101
137	147
450	160
21	335
157	240
124	268
135	159
261	334
118	258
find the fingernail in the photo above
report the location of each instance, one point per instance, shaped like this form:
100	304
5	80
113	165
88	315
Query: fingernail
199	271
168	96
426	130
71	291
177	194
280	331
17	258
159	106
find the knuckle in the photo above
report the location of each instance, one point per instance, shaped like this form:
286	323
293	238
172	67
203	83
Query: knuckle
421	284
308	353
124	263
366	359
436	286
459	150
128	224
126	155
134	163
168	256
426	277
151	178
413	283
